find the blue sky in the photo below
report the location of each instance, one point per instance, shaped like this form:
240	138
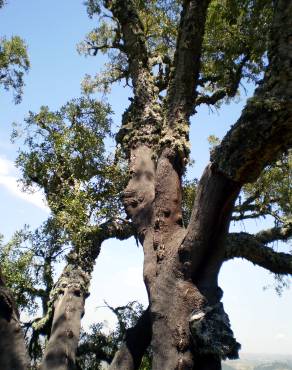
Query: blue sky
260	319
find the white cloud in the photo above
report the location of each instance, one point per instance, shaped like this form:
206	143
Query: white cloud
134	277
6	167
8	180
280	336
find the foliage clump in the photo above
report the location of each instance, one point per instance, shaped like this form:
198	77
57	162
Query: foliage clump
14	63
65	155
99	345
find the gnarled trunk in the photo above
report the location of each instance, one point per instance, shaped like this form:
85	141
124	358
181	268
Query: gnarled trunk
187	263
190	329
180	280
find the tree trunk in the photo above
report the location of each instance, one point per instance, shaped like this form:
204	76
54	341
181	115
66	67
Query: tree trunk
190	329
66	305
188	283
67	299
13	354
60	353
176	286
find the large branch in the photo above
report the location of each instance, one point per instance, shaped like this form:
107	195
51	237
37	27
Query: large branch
202	247
230	90
134	46
275	233
252	248
114	228
184	76
264	129
142	120
119	229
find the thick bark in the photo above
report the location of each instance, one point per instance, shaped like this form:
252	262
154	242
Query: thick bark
201	255
171	297
183	79
186	66
137	340
141	122
68	296
203	245
153	195
169	274
250	247
153	201
13	354
60	352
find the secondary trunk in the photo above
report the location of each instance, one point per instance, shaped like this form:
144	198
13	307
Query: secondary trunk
60	353
67	299
12	346
67	305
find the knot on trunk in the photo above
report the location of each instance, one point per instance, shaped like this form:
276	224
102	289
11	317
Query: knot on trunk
212	334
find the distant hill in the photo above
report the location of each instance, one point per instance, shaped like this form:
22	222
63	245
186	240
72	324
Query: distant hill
274	366
256	364
227	367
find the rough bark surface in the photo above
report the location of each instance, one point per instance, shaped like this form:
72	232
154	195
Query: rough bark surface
60	352
250	247
66	306
13	354
186	64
